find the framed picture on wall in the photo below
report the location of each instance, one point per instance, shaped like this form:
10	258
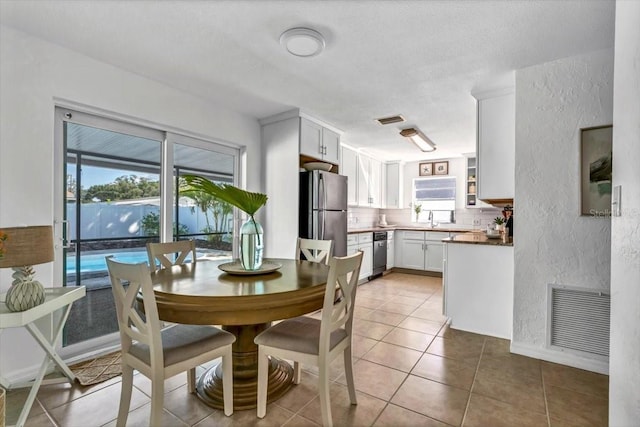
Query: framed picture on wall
426	169
595	170
441	168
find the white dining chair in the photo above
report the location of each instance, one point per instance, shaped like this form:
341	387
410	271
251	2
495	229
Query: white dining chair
314	341
180	249
161	353
314	250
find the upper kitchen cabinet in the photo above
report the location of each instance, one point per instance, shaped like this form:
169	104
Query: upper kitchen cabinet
393	185
364	176
471	185
369	181
319	142
349	168
495	150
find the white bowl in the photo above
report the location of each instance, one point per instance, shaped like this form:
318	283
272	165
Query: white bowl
313	166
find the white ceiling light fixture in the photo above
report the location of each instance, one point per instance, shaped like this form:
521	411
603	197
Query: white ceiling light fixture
303	42
419	139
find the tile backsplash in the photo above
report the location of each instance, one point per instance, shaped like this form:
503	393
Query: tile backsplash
369	217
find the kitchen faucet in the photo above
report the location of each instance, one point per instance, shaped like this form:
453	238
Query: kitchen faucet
430	218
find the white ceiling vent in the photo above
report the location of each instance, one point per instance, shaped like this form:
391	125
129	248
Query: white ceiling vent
389	120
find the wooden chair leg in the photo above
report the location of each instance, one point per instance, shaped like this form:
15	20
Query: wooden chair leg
125	395
348	372
296	372
157	400
325	401
227	382
191	380
263	379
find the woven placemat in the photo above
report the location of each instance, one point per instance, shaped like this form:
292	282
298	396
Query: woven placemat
99	369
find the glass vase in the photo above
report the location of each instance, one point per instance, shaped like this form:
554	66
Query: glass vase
251	245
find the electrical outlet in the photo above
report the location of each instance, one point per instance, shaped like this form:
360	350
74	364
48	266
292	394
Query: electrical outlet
476	221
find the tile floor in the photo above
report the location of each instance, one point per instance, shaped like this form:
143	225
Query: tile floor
410	370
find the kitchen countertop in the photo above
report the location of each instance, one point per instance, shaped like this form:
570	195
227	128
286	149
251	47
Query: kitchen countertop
477	238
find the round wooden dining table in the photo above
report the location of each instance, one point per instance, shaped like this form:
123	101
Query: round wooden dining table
245	305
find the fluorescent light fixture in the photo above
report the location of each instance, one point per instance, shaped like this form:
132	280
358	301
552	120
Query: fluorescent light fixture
418	138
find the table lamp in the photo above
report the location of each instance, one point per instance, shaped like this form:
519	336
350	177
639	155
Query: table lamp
21	248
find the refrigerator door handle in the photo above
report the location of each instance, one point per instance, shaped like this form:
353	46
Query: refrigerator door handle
321	220
322	193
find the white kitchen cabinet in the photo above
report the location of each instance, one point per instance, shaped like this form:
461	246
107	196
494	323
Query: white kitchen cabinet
319	142
369	177
420	250
495	149
362	242
349	168
283	138
391	250
393	185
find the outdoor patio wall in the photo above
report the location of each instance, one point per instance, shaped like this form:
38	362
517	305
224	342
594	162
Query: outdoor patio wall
36	74
104	220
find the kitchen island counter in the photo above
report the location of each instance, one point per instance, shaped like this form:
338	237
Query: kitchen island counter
477	238
408	228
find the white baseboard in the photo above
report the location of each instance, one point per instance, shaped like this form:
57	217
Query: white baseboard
561	357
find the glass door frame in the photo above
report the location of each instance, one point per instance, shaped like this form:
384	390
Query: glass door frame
111	122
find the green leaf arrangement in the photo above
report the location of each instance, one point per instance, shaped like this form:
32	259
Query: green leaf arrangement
246	201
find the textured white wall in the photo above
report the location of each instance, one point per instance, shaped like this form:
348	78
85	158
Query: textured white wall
624	364
554	244
32	73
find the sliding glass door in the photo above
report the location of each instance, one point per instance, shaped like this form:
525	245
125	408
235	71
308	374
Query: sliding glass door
119	192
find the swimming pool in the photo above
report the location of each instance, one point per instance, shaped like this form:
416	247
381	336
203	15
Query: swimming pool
96	262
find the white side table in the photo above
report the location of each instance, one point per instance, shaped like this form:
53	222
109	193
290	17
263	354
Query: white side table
55	299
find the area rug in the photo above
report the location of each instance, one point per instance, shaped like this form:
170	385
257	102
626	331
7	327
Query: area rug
99	369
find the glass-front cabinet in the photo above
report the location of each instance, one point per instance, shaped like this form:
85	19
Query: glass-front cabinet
471	183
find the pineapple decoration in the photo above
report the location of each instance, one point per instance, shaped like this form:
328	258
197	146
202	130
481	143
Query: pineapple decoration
25	292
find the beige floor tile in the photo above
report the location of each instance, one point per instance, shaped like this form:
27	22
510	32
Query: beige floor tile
496	347
393	356
411	301
484	411
362	312
276	416
571	405
395	416
452	372
441	402
41	420
575	379
375	380
448	332
367	302
95	409
528	397
361	345
336	368
512	367
393	319
369	329
144	384
459	348
392	307
54	395
140	418
421	325
429	314
343	413
14	402
301	394
410	339
186	406
299	421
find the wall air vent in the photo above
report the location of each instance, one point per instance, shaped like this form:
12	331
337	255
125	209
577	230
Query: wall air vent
390	120
579	320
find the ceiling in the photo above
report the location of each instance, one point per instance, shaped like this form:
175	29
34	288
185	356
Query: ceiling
421	59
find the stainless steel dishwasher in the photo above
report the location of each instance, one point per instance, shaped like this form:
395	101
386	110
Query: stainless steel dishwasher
379	253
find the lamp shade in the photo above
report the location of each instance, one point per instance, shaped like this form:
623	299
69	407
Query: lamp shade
25	246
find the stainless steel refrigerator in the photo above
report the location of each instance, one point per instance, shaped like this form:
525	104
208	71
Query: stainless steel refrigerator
323	208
